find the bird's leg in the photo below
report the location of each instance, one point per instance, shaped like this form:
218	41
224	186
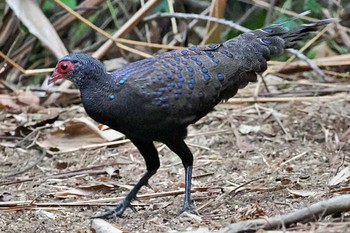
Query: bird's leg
182	150
150	154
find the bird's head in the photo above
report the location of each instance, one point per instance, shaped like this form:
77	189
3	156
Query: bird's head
77	67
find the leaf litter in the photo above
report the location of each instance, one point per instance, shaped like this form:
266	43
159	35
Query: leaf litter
228	183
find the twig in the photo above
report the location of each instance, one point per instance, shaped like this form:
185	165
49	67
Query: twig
22	70
97	202
36	162
198	17
314	212
286	99
129	25
312	64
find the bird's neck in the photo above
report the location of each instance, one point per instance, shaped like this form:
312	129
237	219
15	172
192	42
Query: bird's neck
97	94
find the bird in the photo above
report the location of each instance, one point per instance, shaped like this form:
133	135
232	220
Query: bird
157	98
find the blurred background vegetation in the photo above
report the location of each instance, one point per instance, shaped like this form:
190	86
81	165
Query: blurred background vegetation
30	51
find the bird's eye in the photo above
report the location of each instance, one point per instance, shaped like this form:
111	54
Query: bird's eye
64	67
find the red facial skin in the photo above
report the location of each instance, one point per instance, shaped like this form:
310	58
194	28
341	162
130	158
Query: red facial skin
62	68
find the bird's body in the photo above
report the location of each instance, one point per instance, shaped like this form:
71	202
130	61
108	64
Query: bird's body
155	99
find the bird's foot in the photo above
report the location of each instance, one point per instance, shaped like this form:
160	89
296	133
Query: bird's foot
116	211
187	209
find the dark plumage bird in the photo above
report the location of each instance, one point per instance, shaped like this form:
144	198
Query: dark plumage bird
155	99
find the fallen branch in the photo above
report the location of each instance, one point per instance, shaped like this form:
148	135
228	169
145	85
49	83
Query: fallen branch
326	98
314	212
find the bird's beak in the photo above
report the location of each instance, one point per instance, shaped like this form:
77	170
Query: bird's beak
55	76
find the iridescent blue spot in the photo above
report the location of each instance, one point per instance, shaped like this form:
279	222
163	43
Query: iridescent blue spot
184	62
177	59
164	106
198	52
172	71
266	41
204	70
172	52
190	69
194	58
169	76
176	96
220	76
193	81
229	55
269	30
172	84
121	82
157	93
213	46
154	80
162	89
142	87
179	75
192	48
111	97
178	92
182	80
216	60
223	52
190	74
191	86
208	53
170	89
183	52
179	85
159	77
164	72
173	64
164	98
179	68
166	66
199	63
186	56
206	77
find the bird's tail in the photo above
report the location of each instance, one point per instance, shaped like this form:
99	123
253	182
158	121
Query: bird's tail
292	36
270	41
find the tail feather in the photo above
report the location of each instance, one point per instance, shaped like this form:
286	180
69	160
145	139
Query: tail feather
295	34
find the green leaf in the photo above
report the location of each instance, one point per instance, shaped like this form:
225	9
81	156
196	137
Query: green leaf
163	6
48	5
288	21
313	6
70	3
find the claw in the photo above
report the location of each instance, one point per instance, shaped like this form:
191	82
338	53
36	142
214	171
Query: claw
132	208
116	211
187	209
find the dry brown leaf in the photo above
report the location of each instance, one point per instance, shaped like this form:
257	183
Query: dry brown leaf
342	176
101	187
9	105
27	98
74	192
301	193
76	133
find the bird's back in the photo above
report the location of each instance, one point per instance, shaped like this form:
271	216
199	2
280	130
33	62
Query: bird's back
175	89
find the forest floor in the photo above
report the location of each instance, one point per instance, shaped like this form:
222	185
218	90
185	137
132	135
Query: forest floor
251	161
